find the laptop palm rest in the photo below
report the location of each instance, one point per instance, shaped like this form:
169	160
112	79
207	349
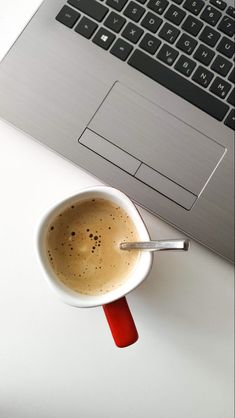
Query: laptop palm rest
161	150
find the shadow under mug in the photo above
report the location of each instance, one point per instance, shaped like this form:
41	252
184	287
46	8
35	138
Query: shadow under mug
114	302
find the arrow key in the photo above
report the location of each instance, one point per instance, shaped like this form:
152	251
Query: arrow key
121	49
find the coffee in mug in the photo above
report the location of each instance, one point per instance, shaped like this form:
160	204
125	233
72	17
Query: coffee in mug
66	249
83	246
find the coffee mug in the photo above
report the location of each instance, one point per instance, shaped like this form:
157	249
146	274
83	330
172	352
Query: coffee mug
114	302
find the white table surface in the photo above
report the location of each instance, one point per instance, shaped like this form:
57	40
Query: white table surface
58	361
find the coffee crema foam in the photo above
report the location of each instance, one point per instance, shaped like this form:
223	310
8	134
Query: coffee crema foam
83	246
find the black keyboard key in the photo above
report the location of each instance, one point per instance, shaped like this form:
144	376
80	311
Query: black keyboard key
178	1
220	87
192	25
151	22
221	65
103	38
158	6
178	84
231	11
202	76
134	11
194	6
141	1
91	8
67	16
121	49
116	4
226	47
219	3
186	44
230	121
185	65
175	14
209	36
204	54
149	43
167	54
231	97
86	27
227	26
211	15
132	32
115	22
169	33
231	76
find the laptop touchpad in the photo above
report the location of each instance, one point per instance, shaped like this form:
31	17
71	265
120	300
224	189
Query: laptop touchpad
164	144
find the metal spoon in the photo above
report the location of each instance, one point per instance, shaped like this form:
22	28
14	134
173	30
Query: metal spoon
162	245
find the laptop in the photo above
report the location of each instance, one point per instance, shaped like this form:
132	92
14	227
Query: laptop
139	93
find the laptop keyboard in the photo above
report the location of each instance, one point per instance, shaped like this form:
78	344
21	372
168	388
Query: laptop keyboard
187	46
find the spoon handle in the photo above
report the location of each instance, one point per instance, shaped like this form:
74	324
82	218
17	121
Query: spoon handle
162	245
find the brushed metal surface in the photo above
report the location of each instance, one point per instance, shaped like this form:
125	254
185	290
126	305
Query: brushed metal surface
133	166
157	138
165	186
109	151
52	82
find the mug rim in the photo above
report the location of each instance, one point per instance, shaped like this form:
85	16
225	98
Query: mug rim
66	294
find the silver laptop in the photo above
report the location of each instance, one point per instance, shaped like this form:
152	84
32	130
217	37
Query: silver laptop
141	94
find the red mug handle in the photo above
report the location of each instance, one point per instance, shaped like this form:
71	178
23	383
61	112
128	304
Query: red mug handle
121	322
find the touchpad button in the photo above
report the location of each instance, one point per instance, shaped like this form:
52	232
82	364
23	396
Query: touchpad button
157	138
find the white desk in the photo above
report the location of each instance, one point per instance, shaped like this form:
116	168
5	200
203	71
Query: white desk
58	361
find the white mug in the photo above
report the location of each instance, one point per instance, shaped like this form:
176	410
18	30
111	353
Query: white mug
114	302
